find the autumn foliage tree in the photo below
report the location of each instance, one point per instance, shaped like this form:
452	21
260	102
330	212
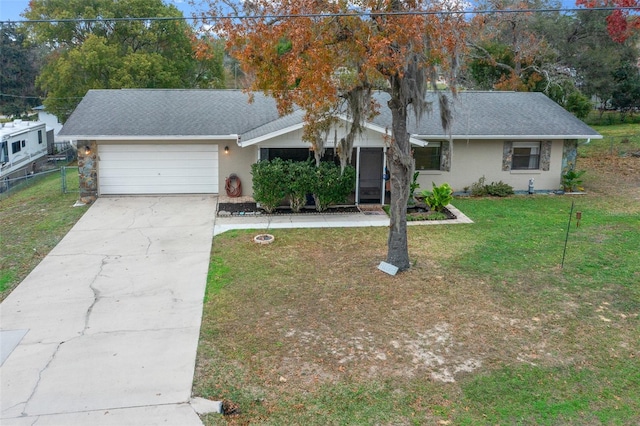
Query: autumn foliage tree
326	55
621	23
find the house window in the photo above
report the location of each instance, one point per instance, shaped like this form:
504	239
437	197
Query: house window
526	156
428	157
39	136
295	154
15	147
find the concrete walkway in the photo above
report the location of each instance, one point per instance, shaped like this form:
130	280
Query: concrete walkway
104	330
364	219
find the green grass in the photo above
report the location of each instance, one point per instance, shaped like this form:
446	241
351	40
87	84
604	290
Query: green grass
32	222
551	396
611	119
620	139
516	233
217	278
6	278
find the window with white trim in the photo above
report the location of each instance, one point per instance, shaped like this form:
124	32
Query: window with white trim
428	157
526	156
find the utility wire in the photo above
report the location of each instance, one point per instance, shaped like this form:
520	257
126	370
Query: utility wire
322	15
8	95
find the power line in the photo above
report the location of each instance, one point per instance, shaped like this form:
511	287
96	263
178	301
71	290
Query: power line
8	95
324	15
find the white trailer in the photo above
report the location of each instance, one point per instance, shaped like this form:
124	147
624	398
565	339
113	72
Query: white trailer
23	146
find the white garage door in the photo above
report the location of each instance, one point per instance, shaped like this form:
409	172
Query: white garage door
158	169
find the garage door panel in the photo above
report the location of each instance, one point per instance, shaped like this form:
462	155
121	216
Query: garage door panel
158	169
159	147
157	156
156	180
129	173
163	189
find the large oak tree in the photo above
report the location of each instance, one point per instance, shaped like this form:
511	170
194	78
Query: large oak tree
317	54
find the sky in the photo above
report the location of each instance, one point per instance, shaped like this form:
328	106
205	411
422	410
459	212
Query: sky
11	9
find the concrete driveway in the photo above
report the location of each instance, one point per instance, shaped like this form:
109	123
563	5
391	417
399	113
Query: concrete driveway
106	327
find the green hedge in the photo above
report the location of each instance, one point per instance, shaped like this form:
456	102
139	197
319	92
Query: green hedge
275	180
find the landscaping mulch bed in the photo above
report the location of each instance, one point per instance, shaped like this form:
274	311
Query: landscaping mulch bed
251	209
415	214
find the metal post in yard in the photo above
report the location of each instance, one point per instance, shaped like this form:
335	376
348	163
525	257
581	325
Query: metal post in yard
567	237
63	175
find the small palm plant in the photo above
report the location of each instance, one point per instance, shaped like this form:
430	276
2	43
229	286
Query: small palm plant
571	181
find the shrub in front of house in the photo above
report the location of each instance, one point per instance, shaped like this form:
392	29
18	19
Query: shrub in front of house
479	189
275	180
300	179
496	189
499	189
269	183
332	187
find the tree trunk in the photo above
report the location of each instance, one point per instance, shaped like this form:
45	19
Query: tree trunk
400	165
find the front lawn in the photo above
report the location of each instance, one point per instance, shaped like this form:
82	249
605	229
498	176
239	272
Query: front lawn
485	328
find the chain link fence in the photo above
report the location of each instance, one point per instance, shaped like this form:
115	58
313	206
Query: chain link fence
69	180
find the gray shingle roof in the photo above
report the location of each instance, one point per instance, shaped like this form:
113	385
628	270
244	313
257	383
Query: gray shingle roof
139	113
168	112
478	115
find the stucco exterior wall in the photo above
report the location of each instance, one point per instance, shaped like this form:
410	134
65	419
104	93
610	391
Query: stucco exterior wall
238	161
293	139
469	160
473	159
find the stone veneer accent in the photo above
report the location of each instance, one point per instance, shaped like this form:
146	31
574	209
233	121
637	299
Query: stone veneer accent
445	158
545	156
507	156
569	155
88	171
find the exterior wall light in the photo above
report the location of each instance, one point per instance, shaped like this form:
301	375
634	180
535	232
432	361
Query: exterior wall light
87	150
226	149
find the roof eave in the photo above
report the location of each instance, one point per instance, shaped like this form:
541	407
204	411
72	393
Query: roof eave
147	137
270	135
509	137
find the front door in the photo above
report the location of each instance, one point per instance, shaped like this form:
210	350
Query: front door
370	180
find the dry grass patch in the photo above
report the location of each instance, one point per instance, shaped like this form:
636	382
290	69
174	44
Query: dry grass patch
618	176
